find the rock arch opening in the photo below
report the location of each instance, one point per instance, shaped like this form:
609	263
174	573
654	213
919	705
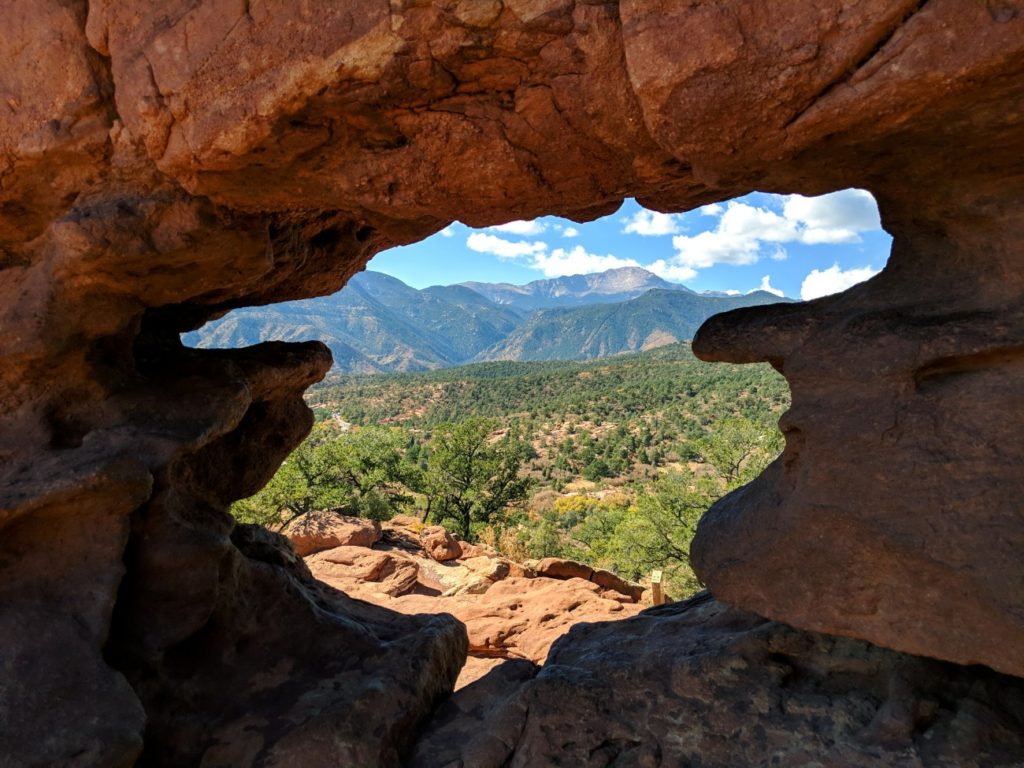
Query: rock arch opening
162	165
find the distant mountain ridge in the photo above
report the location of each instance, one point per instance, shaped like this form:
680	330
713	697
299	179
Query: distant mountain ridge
654	319
378	323
611	286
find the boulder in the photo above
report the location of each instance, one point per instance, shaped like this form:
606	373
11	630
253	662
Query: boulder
559	568
317	531
475	550
699	683
440	544
490	568
403	531
610	581
521	618
348	568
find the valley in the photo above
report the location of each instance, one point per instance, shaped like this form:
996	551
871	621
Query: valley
608	462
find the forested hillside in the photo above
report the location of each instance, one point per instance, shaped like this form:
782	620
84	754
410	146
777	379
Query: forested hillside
610	462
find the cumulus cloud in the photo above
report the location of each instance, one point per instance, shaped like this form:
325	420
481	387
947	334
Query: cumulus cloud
535	255
743	230
735	240
652	223
521	227
577	261
824	282
570	232
448	231
766	285
673	272
503	249
838	217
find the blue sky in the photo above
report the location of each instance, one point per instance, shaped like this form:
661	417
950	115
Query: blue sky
804	247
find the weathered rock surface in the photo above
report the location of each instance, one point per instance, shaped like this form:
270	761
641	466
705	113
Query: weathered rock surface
699	683
326	529
349	568
890	515
560	568
520	618
506	616
210	702
440	544
161	163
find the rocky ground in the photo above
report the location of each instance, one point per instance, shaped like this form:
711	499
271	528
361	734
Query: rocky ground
700	683
511	610
552	678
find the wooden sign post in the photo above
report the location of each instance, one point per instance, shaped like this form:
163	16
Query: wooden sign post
657	595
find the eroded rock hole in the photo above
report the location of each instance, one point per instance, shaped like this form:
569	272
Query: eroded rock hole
216	156
541	450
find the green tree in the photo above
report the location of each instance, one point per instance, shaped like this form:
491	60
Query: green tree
657	530
739	449
363	472
597	469
302	484
472	478
374	470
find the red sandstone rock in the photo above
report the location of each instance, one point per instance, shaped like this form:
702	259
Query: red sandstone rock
473	550
922	558
520	618
403	531
505	616
700	683
390	573
560	568
440	544
162	163
317	531
610	581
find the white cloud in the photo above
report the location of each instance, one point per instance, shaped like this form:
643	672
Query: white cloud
503	249
577	261
521	227
673	272
824	282
850	210
828	236
570	232
535	255
766	285
731	292
652	223
736	240
448	231
742	220
743	230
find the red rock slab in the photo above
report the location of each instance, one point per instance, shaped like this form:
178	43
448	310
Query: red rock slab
325	529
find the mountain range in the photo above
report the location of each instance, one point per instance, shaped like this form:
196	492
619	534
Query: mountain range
611	286
378	323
